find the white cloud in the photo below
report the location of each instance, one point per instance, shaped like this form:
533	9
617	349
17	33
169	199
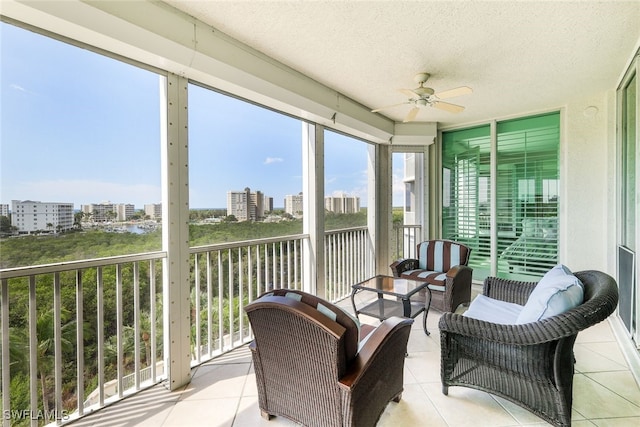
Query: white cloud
270	160
20	88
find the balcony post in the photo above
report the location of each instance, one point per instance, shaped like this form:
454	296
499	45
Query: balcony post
313	208
175	230
380	203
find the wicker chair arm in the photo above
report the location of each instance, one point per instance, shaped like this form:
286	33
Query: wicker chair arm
457	269
458	287
525	334
459	274
402	265
513	291
546	330
374	348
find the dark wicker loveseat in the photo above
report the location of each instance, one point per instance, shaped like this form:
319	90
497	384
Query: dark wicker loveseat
529	364
313	370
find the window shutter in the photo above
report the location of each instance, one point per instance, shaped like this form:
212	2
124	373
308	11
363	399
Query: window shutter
527	188
466	193
526	195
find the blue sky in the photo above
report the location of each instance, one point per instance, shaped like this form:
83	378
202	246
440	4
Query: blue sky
84	128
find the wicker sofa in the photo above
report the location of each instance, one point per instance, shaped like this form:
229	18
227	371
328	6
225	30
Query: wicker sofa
530	364
444	265
311	366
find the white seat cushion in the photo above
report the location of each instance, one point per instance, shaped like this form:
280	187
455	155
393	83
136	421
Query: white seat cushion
493	310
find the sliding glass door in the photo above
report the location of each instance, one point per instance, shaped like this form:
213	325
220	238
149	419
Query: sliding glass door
629	305
466	207
527	196
500	195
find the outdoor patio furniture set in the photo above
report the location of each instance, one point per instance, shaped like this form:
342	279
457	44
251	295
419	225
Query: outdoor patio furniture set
318	366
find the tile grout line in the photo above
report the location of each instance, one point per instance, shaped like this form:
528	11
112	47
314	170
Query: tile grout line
609	389
241	397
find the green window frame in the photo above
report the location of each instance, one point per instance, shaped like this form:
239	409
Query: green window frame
501	195
466	195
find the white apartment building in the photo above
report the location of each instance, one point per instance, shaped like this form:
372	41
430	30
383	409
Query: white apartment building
124	211
268	204
238	204
293	204
107	211
4	209
100	212
30	216
246	205
153	210
342	204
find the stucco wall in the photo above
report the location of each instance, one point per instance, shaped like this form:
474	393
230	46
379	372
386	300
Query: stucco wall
587	208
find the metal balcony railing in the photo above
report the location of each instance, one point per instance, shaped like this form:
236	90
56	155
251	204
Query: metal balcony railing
79	322
97	325
227	277
348	260
405	239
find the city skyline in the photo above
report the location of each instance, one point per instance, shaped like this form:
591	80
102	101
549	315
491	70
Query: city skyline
98	136
112	203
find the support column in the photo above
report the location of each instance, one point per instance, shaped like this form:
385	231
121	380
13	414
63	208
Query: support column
432	227
313	207
175	230
493	203
379	206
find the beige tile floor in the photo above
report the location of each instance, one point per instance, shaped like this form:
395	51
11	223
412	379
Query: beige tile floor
223	392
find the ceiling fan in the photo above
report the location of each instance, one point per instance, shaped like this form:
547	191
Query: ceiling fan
423	96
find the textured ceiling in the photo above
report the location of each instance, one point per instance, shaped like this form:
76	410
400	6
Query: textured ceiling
518	57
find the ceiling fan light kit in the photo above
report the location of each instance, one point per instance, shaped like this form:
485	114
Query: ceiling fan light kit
423	96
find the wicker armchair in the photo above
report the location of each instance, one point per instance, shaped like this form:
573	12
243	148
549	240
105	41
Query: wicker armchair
312	369
529	364
443	264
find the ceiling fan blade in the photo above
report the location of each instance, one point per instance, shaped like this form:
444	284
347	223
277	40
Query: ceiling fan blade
412	115
409	93
388	106
452	108
462	90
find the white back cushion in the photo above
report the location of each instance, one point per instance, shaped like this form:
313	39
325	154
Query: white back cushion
558	291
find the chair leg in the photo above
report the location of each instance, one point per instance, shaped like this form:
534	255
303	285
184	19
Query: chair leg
445	390
264	414
424	323
397	398
426	312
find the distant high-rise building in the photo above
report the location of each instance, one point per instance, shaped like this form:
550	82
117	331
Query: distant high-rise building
124	211
100	212
238	204
256	206
107	211
30	216
342	204
268	204
4	209
246	205
293	204
153	210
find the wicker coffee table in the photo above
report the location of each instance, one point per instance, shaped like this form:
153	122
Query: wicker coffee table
402	305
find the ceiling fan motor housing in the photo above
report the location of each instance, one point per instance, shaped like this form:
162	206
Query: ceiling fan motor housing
421	77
